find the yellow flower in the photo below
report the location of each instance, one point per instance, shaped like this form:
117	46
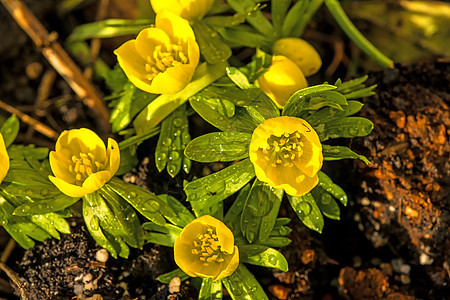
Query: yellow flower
4	159
81	163
205	248
187	9
300	52
281	80
162	59
287	154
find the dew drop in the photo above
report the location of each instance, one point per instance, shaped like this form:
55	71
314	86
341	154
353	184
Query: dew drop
167	142
273	260
174	155
303	208
155	205
94	223
161	156
25	208
44	192
353	131
325	199
178	122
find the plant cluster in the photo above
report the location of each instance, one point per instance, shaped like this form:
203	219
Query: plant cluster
273	133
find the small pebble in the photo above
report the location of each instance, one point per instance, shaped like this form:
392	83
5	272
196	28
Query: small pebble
405	279
174	285
405	269
425	259
357	261
365	201
102	255
397	264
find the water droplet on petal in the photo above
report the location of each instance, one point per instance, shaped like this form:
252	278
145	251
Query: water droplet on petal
273	260
326	199
303	208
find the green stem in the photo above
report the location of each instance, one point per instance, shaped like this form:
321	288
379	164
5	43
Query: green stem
313	6
356	36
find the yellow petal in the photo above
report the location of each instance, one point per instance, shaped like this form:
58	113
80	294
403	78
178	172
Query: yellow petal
60	167
187	9
229	265
224	234
311	160
69	189
148	38
4	159
300	52
191	231
281	80
173	5
173	80
177	28
96	180
82	140
113	154
133	65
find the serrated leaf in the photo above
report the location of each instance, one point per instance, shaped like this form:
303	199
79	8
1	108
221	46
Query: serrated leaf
210	290
341	152
263	256
219	146
348	127
183	215
242	285
212	48
172	140
260	211
10	129
145	202
210	190
163	105
307	211
299	101
167	277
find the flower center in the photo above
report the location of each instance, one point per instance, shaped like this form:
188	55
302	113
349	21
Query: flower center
83	166
165	56
282	150
207	247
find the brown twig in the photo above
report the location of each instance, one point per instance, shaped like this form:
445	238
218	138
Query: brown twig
59	59
8	250
15	278
38	126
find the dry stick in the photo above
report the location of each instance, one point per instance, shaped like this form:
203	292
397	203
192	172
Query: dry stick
59	59
14	278
38	126
96	42
8	250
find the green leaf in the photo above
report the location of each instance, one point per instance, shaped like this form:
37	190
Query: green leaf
263	256
167	277
333	189
233	216
276	242
127	223
354	88
326	203
161	235
307	211
348	127
212	48
299	101
292	20
328	114
49	205
254	15
279	10
182	215
51	223
238	78
109	28
20	152
260	211
172	140
163	105
210	290
21	229
131	101
241	285
243	120
116	80
341	152
210	190
90	204
10	129
145	202
128	160
219	146
251	97
242	35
